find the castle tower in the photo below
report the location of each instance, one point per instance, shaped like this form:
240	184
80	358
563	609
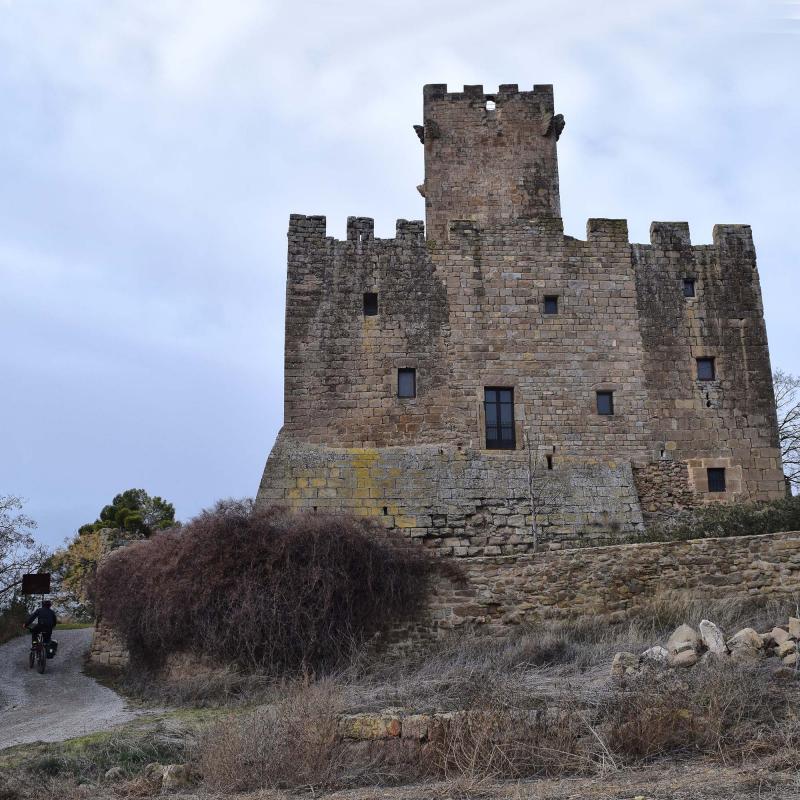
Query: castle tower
490	158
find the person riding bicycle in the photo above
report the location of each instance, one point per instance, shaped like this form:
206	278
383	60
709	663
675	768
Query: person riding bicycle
46	620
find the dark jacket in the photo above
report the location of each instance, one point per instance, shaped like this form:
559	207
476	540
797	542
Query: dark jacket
46	618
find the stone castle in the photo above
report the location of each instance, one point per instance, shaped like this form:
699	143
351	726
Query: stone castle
494	387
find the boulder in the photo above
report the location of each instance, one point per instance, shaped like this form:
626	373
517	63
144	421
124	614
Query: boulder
624	664
712	637
776	637
746	645
789	660
177	776
686	658
655	656
683	638
794	628
787	648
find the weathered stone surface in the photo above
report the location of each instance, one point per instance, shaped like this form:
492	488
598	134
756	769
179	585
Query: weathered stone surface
777	636
369	726
656	655
712	637
785	649
745	645
794	628
684	658
683	638
114	774
177	776
624	664
790	659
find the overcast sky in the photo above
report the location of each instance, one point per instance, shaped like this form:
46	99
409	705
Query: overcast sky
151	152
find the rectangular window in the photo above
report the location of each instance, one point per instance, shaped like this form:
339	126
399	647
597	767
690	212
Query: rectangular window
605	403
370	304
688	287
705	369
716	479
551	304
498	406
406	382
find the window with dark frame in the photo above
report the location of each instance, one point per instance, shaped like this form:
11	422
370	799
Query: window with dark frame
706	370
370	304
406	382
605	403
688	287
551	304
498	406
716	479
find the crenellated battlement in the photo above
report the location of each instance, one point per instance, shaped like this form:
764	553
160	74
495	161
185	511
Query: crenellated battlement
360	230
542	94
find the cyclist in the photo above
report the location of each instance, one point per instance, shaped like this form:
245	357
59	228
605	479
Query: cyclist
46	620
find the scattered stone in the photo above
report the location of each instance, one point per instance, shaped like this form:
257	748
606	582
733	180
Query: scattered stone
683	638
154	772
794	628
177	776
624	664
712	637
746	645
789	660
115	774
685	658
657	655
787	648
776	637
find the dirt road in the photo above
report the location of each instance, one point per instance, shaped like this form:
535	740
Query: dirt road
58	705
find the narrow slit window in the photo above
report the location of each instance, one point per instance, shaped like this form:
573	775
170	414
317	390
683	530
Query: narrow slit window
551	304
549	461
688	287
406	382
605	403
706	370
716	479
370	304
498	406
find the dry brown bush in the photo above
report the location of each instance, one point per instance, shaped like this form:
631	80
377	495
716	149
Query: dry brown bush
271	591
722	708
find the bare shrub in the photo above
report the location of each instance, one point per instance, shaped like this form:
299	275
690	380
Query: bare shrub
722	708
291	744
272	590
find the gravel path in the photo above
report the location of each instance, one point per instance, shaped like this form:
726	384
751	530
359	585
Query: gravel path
58	705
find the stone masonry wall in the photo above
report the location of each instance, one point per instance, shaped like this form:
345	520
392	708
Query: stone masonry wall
609	583
460	502
107	648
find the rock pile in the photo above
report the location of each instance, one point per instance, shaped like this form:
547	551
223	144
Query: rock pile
687	647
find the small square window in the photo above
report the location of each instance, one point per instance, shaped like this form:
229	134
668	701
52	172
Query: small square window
688	287
716	479
605	403
370	304
551	304
406	383
705	369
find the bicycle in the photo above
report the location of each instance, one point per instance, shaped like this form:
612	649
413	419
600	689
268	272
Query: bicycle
38	654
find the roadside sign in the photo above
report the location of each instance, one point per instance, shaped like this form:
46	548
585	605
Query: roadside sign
36	583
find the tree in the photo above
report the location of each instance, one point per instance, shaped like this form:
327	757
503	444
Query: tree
19	552
132	515
134	511
787	402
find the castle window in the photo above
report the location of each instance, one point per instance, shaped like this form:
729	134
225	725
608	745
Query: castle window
605	403
549	461
498	406
406	382
551	304
705	369
688	287
490	105
370	304
716	479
